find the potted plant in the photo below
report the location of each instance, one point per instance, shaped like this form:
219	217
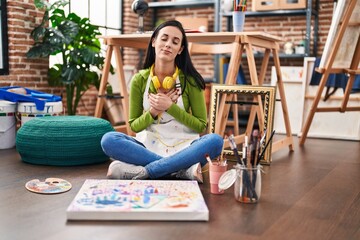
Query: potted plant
75	39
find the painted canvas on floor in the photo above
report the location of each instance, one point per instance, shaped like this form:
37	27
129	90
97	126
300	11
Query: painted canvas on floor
105	199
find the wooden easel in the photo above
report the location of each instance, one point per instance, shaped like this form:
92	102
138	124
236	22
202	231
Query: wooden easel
246	44
329	67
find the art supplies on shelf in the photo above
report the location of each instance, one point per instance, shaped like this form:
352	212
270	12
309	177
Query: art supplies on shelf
103	199
239	5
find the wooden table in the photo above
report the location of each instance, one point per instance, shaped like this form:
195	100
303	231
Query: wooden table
233	43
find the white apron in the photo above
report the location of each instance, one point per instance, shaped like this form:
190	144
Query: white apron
166	135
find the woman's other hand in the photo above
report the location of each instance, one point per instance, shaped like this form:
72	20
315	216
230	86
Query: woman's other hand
174	95
160	101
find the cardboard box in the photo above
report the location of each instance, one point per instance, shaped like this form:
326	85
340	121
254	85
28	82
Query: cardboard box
265	5
190	23
292	4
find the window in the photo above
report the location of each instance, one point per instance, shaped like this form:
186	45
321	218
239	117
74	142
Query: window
107	14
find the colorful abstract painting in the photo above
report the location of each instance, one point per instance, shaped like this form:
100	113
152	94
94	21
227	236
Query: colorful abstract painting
102	199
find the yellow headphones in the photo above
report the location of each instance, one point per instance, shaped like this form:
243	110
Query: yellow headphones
168	82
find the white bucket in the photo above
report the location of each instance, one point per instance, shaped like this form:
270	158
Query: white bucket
7	124
28	110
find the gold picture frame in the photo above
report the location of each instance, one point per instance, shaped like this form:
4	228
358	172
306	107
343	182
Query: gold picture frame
257	100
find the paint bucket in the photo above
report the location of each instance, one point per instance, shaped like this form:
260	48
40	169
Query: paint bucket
28	111
7	124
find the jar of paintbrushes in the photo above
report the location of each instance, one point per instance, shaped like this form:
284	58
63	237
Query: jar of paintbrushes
247	172
247	188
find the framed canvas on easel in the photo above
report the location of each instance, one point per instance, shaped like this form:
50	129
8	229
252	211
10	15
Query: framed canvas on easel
341	55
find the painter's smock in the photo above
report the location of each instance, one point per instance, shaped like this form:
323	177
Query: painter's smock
166	135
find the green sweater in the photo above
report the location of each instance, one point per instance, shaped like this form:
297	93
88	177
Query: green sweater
194	116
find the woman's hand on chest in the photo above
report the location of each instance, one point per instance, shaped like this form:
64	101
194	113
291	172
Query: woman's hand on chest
174	94
160	101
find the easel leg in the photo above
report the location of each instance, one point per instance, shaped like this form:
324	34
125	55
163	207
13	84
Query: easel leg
262	74
313	108
103	82
123	89
264	65
288	140
255	110
224	108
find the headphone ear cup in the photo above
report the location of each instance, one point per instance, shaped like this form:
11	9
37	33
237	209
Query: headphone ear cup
156	82
168	83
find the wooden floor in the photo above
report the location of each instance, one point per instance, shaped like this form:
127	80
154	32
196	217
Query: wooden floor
311	193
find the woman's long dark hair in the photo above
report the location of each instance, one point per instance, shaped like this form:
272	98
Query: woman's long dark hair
182	60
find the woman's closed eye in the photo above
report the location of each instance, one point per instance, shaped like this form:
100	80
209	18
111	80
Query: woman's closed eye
175	41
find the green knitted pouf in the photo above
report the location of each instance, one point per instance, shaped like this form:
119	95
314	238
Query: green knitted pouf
62	140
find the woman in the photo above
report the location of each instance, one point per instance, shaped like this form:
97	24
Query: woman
167	112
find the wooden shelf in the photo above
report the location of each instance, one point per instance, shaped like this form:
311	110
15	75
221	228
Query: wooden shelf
181	4
281	55
296	12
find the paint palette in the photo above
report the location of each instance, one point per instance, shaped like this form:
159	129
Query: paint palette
49	186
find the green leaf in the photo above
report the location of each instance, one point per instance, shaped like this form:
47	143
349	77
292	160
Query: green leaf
59	4
54	76
89	56
69	30
57	17
42	4
54	37
38	33
41	50
70	74
74	18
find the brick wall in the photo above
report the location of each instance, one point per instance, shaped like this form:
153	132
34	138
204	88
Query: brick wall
23	71
32	73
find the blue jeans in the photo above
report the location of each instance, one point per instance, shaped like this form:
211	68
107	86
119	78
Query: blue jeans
125	148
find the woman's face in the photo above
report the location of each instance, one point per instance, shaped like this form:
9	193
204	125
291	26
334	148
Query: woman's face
167	44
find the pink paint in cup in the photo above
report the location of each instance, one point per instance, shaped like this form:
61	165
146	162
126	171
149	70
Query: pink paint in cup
215	172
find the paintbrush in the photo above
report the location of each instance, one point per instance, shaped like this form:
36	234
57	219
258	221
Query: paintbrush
208	159
266	145
234	149
222	154
245	149
263	138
